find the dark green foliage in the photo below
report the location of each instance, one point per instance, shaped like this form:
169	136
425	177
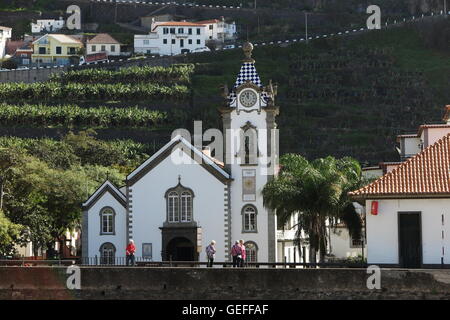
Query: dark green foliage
51	91
173	74
72	115
317	192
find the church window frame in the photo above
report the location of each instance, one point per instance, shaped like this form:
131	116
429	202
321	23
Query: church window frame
179	205
173	212
249	219
251	251
186	206
107	221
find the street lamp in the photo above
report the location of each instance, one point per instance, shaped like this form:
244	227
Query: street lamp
306	26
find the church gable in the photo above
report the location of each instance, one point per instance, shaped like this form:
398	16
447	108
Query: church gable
106	187
175	144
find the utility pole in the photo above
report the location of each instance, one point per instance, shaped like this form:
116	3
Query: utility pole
115	13
255	5
306	26
258	26
445	7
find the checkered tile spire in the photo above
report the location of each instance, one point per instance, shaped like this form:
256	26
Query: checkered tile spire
248	73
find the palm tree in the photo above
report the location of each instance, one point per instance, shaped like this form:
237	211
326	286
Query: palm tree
317	191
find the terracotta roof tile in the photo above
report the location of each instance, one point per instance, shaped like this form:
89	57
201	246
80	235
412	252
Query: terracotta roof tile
425	174
179	23
12	46
208	21
103	38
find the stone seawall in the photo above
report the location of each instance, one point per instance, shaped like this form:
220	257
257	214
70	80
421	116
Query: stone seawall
218	283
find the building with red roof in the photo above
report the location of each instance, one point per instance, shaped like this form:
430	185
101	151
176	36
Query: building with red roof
407	215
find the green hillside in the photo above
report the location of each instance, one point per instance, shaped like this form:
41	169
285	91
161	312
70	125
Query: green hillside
338	96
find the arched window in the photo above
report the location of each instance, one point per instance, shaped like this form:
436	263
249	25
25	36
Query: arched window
179	204
107	253
251	250
186	206
173	207
249	213
107	221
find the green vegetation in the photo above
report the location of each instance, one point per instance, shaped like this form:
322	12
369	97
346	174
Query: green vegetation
72	115
317	192
9	234
81	148
48	91
46	181
46	200
175	73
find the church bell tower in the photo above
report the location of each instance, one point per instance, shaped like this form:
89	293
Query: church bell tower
251	157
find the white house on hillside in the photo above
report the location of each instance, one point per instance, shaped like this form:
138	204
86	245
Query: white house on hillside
103	42
219	29
5	34
181	198
47	25
170	38
407	216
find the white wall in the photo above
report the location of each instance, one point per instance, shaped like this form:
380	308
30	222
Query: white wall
261	237
340	243
5	34
412	146
434	134
95	239
374	172
149	205
220	31
287	251
382	229
108	49
154	42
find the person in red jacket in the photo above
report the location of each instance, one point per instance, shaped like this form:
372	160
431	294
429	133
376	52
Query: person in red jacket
131	249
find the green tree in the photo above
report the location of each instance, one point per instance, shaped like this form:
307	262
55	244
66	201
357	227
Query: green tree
9	235
317	191
10	159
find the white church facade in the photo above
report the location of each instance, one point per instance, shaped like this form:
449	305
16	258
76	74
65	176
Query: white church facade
182	197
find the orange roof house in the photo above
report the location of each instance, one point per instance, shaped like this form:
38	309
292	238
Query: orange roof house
407	215
425	174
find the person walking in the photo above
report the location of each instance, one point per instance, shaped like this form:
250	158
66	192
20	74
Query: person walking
131	249
243	253
210	253
235	254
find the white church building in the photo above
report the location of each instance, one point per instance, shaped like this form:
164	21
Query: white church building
181	198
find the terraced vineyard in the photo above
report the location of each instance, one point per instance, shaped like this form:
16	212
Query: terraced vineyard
144	103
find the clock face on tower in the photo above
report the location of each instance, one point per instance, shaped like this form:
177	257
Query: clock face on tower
248	98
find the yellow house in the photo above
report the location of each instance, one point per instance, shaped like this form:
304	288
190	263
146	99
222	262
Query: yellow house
55	49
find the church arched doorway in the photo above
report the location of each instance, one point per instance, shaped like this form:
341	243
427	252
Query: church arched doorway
180	249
